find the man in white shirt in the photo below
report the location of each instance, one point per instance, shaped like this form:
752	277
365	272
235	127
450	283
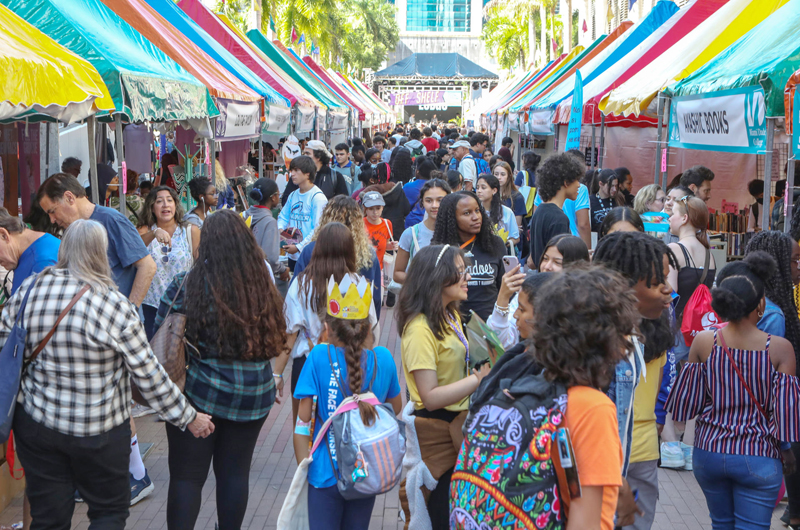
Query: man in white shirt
466	164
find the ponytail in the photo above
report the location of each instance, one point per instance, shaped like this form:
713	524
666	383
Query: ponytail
353	334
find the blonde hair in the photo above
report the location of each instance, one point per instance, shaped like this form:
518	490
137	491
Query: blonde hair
84	253
345	210
220	182
645	196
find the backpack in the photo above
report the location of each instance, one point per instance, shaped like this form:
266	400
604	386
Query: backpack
504	474
529	192
416	152
370	458
698	315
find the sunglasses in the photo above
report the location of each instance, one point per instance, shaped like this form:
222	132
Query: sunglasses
165	251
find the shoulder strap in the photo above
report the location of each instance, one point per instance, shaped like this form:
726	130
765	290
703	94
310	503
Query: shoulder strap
705	267
50	333
188	230
347	405
388	229
414	234
20	319
686	257
174	298
741	377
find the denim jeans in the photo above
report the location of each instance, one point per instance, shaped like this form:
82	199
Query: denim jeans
328	510
740	490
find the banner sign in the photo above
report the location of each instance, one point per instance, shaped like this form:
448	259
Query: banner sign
446	98
305	119
540	122
278	119
237	120
322	119
575	115
513	121
337	121
732	121
796	125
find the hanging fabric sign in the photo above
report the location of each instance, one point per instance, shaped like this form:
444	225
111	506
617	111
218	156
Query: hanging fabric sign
305	119
337	121
540	122
732	121
513	121
575	115
278	119
237	120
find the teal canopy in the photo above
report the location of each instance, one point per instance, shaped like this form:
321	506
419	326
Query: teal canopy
767	55
143	82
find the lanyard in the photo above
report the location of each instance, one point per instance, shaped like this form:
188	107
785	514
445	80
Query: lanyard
467	242
460	334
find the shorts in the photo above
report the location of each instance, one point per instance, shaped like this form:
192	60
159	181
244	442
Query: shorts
297	367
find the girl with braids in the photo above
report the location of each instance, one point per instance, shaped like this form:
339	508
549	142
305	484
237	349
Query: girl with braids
462	222
435	357
345	210
645	262
334	255
503	218
780	319
359	369
740	384
233	322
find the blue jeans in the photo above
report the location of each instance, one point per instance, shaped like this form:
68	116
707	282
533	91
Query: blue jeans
740	490
328	510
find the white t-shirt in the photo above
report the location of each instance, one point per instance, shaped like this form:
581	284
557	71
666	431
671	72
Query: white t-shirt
424	236
302	211
301	319
509	222
468	169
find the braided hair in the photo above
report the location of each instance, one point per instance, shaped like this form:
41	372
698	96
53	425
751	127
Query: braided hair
779	286
353	334
496	212
446	232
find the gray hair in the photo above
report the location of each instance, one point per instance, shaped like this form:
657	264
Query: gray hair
70	163
645	196
83	253
11	223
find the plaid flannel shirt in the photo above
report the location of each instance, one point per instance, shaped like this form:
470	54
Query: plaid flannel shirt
79	384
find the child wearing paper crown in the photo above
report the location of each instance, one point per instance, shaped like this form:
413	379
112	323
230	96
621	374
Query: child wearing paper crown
343	364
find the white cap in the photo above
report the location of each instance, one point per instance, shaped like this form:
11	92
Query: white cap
461	143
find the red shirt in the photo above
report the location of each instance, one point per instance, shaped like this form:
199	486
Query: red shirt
430	143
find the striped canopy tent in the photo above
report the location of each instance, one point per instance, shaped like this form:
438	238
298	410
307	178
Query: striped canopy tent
637	95
625	44
40	76
143	83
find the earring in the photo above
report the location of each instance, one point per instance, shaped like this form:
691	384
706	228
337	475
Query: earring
760	314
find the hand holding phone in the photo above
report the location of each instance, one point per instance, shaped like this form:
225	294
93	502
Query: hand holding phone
509	262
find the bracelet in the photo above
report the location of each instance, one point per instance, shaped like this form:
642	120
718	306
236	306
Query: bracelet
502	310
279	376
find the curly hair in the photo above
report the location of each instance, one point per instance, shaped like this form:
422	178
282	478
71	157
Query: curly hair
496	206
198	187
636	256
447	233
352	334
229	289
582	322
556	172
345	210
779	286
741	286
333	255
148	218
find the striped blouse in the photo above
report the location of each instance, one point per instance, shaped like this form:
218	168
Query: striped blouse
729	422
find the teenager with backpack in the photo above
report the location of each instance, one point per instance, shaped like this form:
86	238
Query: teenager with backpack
418	236
435	355
546	408
341	495
739	383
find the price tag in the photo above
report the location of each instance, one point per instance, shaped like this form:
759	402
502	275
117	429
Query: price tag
663	160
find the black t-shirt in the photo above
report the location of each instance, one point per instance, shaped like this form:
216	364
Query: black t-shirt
600	208
548	221
487	271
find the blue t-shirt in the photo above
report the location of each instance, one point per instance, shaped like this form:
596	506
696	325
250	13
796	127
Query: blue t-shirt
417	213
570	207
125	246
773	320
41	254
318	379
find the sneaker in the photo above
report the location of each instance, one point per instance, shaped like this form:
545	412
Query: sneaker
785	517
687	456
78	497
141	488
672	455
390	299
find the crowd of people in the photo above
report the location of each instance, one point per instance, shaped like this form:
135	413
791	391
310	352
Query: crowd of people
596	375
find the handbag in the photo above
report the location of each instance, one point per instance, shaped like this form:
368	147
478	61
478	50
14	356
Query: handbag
12	358
169	347
294	511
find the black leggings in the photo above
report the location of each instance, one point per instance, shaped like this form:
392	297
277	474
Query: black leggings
793	486
231	447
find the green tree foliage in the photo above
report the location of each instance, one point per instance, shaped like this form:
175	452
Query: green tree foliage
506	39
236	11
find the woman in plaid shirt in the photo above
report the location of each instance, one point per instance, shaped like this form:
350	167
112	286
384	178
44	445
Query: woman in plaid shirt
72	422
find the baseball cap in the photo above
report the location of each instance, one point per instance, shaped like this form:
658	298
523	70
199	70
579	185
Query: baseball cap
461	143
372	198
317	145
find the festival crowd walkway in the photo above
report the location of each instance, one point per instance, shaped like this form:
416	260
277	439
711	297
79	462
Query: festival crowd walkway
681	505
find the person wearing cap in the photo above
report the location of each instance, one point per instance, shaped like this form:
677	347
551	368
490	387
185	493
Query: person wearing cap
380	230
266	196
466	163
330	183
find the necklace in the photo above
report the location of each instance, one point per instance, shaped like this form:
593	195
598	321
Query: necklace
460	334
471	243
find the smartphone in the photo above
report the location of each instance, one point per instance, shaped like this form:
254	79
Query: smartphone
509	262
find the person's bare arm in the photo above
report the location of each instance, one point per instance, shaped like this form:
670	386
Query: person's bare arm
396	403
436	397
584	226
195	239
585	511
400	266
781	354
301	441
145	270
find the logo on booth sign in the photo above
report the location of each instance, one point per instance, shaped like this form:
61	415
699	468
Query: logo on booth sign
709	320
755	110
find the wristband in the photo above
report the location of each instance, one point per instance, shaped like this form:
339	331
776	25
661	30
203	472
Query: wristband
279	376
502	310
303	428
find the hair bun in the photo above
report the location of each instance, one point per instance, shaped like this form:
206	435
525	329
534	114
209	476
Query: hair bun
761	264
727	304
256	195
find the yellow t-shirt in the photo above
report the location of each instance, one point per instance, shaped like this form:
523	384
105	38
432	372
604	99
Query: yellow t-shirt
420	350
644	445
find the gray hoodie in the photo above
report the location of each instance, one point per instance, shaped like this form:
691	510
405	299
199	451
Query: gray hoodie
265	230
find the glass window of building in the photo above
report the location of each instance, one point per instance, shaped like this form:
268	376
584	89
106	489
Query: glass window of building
438	15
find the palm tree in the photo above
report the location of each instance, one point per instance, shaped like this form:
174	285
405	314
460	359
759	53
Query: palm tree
505	39
520	10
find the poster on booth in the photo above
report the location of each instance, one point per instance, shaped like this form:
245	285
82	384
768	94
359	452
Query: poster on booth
277	121
540	122
305	119
732	121
337	121
575	115
237	120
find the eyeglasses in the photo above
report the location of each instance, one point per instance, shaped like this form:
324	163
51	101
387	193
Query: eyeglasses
165	251
464	274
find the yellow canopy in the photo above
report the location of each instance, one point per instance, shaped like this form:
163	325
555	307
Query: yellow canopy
42	76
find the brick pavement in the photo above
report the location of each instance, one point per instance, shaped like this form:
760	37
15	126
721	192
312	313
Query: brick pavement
681	505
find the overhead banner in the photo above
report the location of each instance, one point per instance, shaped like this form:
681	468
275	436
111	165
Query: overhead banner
513	121
439	98
305	119
540	122
237	120
732	121
575	115
278	119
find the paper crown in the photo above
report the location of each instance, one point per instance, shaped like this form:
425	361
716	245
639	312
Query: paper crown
357	298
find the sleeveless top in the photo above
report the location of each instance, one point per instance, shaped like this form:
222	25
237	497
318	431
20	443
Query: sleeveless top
729	421
689	280
169	264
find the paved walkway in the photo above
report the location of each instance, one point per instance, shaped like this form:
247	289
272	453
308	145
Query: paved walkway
681	505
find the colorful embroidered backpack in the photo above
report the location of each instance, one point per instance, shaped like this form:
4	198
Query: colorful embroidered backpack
504	476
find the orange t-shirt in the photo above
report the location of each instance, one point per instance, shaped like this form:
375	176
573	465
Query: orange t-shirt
379	235
592	422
